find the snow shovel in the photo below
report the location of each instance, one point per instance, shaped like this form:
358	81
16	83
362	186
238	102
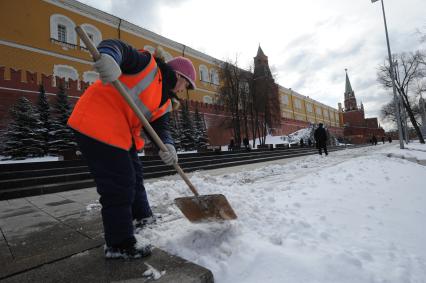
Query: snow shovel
198	208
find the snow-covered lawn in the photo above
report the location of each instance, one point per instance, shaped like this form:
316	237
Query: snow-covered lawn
355	216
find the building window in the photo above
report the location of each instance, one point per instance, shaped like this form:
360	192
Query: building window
167	56
149	48
319	111
62	29
284	99
93	33
244	88
297	104
309	107
204	73
66	72
207	99
300	118
90	77
214	77
62	33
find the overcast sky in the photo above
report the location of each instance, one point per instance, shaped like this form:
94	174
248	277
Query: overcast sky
309	43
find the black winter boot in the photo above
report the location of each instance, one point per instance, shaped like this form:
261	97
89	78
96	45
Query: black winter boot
135	247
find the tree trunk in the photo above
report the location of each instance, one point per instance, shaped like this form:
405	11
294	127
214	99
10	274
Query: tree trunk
412	119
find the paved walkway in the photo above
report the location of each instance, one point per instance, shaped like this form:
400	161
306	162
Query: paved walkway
54	238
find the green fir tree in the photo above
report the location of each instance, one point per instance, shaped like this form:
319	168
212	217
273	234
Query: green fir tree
187	129
23	138
200	132
61	136
43	110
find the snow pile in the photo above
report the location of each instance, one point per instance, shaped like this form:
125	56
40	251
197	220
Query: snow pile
295	137
27	160
153	273
355	216
94	206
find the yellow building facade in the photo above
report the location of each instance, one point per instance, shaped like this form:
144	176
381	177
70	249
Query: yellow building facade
302	108
39	36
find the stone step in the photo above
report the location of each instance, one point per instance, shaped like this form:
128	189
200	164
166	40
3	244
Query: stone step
30	186
68	185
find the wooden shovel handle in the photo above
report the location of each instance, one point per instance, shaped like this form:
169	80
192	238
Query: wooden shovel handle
119	86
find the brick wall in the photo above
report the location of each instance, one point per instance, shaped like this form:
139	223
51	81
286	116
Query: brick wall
25	84
354	118
218	121
371	123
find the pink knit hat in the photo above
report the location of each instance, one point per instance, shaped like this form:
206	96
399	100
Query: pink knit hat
185	68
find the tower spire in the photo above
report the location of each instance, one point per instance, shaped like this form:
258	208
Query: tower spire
348	87
350	100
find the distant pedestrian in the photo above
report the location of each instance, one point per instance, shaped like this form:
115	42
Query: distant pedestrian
374	140
246	143
389	139
302	143
320	136
383	140
309	142
231	144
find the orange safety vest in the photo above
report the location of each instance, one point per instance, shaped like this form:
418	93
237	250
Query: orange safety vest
102	113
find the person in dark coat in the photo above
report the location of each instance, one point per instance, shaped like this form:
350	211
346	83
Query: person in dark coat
246	143
108	134
374	140
320	136
302	143
383	140
309	142
231	144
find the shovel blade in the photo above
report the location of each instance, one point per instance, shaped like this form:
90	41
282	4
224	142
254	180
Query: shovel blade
206	208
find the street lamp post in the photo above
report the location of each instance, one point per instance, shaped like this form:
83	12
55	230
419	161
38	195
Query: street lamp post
395	96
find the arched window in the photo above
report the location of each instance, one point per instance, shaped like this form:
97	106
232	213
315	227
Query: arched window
90	77
62	29
93	33
297	103
207	99
214	77
319	112
64	71
284	99
204	73
149	48
167	56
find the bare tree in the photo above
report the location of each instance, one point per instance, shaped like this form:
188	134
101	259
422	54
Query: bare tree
230	95
265	108
408	71
252	102
388	111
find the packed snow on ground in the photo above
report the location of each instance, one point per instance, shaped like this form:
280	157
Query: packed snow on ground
27	160
354	216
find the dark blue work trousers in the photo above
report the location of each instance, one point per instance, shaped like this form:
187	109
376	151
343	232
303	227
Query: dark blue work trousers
119	182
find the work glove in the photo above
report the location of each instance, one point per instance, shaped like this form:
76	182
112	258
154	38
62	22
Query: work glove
107	68
170	156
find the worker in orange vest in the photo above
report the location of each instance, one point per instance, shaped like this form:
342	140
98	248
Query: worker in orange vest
109	136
